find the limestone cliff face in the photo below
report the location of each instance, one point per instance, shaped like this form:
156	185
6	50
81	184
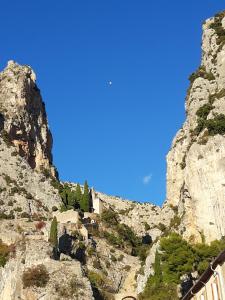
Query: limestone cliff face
196	161
23	116
25	147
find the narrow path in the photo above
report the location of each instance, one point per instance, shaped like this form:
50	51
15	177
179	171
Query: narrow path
128	288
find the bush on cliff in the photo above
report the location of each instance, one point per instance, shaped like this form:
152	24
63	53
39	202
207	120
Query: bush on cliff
35	276
176	258
4	253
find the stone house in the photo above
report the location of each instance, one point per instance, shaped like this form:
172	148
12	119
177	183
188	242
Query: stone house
97	203
211	284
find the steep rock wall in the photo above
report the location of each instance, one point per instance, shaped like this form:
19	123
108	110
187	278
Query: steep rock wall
196	161
23	116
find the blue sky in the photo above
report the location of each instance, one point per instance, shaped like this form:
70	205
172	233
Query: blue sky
115	136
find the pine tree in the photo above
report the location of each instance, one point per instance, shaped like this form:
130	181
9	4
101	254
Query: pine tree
85	201
157	269
78	194
54	233
71	199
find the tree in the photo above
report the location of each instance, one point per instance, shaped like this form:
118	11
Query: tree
78	194
54	233
71	198
85	201
177	258
156	288
157	268
68	197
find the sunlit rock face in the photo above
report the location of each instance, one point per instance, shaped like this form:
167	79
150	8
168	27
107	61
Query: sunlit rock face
23	116
196	161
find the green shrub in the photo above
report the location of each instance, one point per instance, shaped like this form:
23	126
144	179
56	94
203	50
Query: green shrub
14	153
109	217
46	173
175	222
91	251
147	226
18	209
96	264
112	239
96	279
204	110
75	285
142	252
25	215
216	125
4	253
67	288
113	258
54	233
201	72
205	253
217	95
161	291
127	268
121	257
218	28
9	216
35	276
9	180
161	227
54	208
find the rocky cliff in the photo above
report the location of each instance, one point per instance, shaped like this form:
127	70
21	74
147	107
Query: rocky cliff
112	255
23	116
196	161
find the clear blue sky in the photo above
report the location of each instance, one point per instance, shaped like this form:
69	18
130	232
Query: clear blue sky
112	135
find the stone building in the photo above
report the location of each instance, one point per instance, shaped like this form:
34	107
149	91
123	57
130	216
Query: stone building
97	203
211	284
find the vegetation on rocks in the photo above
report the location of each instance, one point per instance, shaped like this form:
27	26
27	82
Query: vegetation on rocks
35	276
214	126
73	199
218	28
4	253
85	198
54	233
175	258
122	236
201	72
68	288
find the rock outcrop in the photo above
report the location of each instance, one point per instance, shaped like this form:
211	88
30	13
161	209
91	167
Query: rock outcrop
23	116
66	278
143	218
23	191
196	161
